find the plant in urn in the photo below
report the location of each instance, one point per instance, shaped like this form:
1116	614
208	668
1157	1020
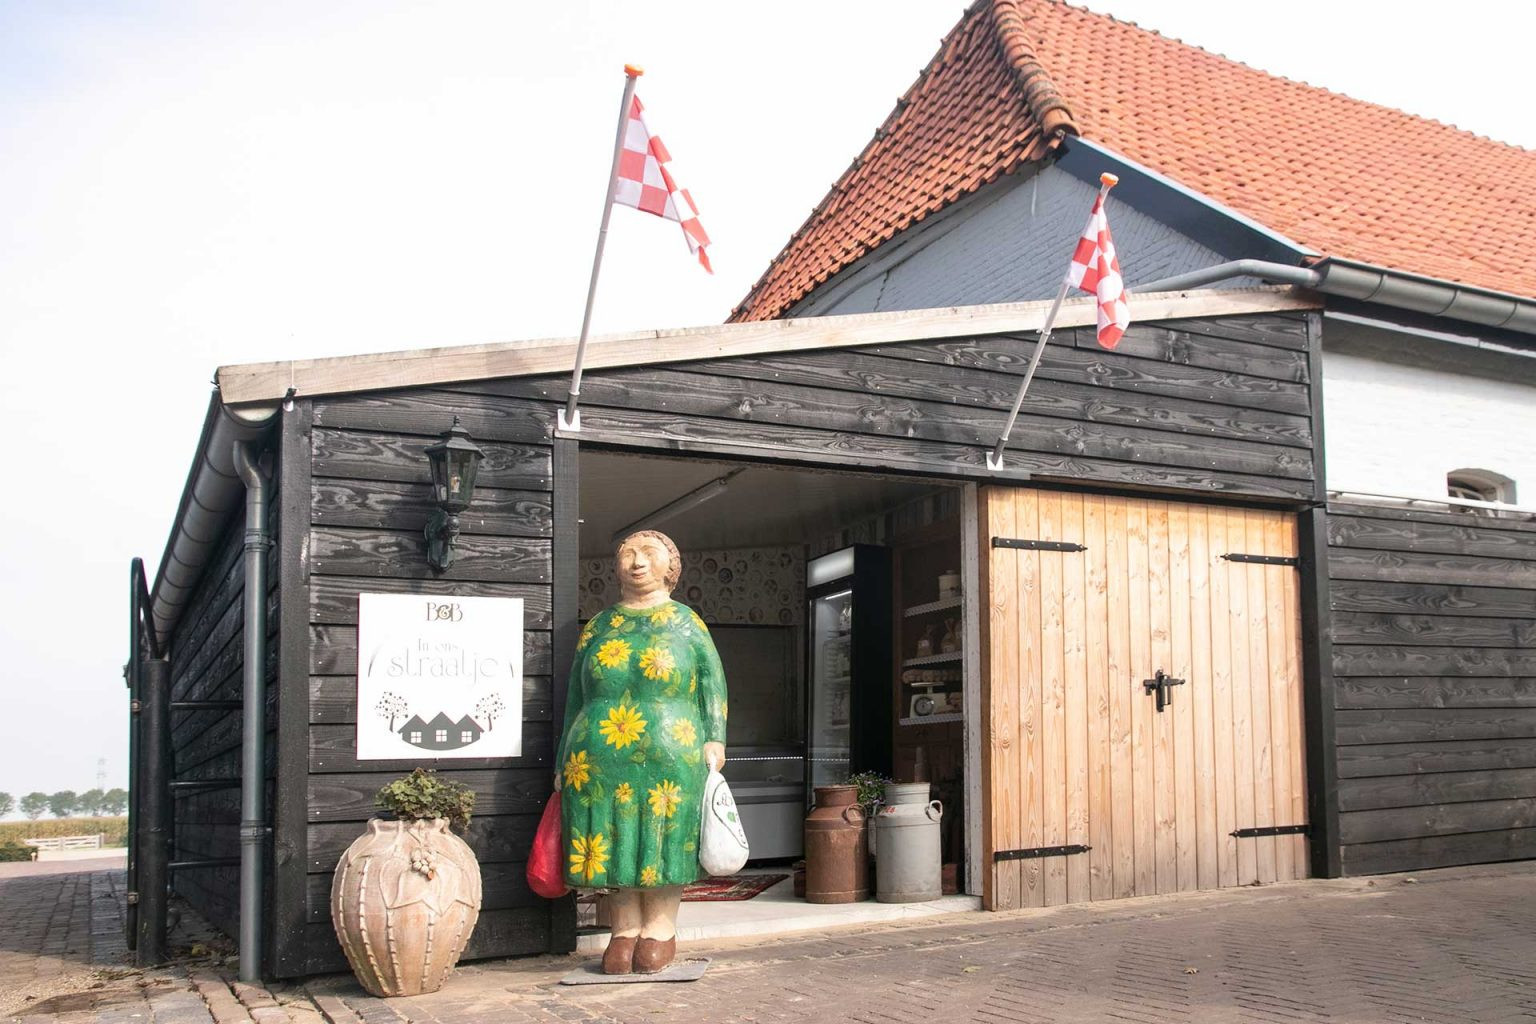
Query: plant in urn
406	894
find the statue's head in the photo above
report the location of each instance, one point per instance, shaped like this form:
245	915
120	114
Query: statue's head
646	561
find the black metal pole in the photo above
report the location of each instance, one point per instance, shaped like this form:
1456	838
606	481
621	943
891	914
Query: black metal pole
131	912
133	672
154	831
253	726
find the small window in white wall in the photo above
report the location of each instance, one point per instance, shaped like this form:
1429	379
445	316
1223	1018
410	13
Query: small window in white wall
1480	485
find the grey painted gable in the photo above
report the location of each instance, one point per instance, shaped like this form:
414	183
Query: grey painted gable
1008	243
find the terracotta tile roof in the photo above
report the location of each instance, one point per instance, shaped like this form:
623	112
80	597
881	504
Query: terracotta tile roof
980	109
1342	177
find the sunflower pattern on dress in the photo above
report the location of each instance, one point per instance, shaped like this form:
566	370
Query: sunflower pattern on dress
646	693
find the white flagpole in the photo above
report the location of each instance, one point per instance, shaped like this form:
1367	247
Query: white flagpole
569	418
1107	181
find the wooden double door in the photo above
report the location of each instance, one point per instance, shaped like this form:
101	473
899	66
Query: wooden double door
1091	790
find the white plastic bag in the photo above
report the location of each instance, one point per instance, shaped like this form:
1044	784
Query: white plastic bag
722	841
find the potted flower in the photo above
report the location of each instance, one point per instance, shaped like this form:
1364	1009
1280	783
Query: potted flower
871	789
871	794
406	894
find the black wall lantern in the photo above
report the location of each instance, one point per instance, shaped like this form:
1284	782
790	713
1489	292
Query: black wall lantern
455	461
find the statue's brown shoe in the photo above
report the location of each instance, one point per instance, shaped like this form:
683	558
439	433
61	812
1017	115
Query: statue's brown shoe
653	955
618	958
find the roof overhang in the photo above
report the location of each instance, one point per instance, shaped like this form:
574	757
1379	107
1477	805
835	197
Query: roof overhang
213	491
1193	214
264	383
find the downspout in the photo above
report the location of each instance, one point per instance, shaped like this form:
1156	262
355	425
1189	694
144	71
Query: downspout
1278	272
253	726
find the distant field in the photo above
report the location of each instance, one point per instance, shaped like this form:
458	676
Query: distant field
115	829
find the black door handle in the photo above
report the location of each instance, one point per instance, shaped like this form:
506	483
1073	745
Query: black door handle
1160	684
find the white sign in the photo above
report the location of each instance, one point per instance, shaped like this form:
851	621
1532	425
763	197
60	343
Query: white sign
439	676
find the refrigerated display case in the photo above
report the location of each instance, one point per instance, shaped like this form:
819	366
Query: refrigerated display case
848	710
769	786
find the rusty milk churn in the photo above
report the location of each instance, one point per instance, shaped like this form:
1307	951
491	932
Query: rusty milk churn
836	848
908	827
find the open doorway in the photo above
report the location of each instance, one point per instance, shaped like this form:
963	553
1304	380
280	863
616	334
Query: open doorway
835	601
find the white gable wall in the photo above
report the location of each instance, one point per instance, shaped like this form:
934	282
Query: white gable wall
1396	428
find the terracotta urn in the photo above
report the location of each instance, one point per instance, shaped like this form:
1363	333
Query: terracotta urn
404	900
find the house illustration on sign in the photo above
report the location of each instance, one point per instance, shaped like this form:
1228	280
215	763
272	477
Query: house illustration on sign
440	733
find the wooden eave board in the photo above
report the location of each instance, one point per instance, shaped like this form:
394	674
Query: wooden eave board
265	382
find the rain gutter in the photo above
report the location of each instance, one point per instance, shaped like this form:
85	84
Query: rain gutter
1378	285
1368	283
213	492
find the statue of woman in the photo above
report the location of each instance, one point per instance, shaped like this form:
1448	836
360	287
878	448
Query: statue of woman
644	718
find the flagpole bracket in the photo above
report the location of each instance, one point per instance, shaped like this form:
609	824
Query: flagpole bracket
569	425
994	462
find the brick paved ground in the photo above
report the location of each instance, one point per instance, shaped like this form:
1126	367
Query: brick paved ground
1453	946
63	958
1448	946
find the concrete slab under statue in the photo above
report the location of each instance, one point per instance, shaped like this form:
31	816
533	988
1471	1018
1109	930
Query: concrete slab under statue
592	973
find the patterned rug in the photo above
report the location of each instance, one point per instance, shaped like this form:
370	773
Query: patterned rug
729	887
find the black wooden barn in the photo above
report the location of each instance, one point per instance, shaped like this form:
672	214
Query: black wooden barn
1408	633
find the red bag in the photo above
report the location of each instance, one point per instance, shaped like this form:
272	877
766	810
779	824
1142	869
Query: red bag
546	873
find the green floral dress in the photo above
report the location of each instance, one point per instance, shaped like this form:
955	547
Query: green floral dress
646	693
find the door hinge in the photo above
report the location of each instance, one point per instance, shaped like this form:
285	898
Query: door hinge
1036	545
1039	851
1272	830
1262	559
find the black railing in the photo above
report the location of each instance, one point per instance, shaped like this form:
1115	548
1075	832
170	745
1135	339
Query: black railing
148	676
151	778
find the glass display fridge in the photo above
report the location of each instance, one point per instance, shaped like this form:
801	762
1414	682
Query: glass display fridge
848	699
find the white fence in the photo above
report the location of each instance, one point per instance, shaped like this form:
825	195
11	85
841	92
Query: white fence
67	842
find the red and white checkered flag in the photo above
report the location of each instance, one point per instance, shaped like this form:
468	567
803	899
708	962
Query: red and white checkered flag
645	182
1095	268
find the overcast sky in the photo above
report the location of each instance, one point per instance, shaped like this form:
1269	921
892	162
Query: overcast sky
184	185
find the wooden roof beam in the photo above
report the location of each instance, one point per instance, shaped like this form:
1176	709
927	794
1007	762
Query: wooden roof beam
265	382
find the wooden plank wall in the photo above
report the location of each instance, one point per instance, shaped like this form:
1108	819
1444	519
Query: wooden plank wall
1434	662
207	663
1218	405
1214	406
369	499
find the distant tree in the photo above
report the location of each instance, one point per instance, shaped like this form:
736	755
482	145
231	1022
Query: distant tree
34	804
114	801
391	706
62	804
88	804
489	707
7	804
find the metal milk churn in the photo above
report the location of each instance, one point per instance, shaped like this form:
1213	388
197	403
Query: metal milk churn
836	848
907	825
